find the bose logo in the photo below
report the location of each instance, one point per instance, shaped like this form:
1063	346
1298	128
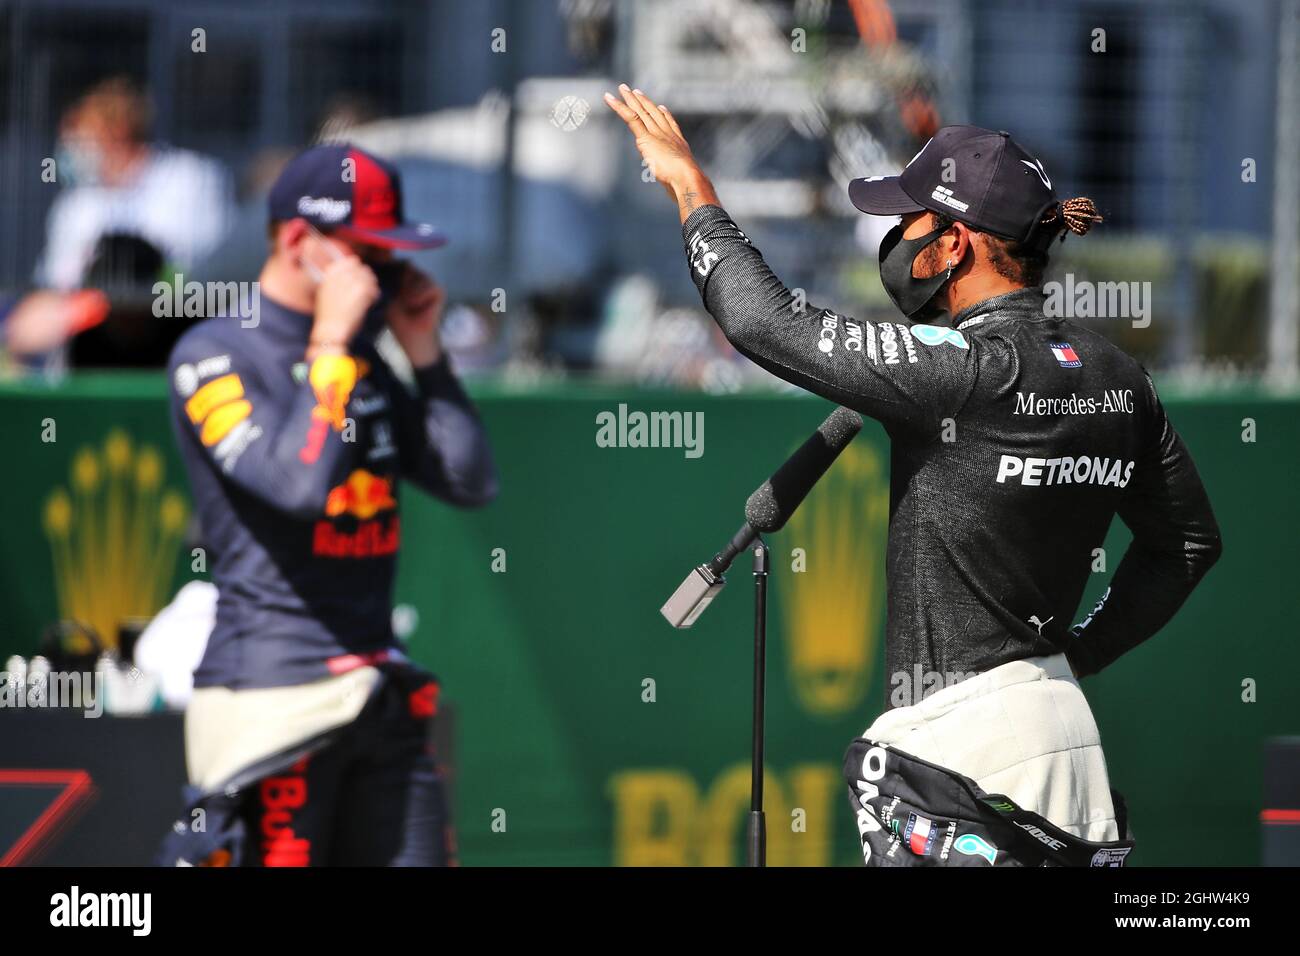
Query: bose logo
944	195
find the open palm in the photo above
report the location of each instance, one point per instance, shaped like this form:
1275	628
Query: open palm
658	138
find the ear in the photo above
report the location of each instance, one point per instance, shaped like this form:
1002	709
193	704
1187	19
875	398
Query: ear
291	236
956	242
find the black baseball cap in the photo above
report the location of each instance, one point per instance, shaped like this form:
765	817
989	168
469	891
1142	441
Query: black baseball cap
341	189
981	177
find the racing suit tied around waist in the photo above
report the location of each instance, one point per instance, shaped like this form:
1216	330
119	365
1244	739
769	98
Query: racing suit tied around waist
1021	745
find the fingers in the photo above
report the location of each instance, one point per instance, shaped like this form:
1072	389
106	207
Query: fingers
418	290
420	301
634	103
344	266
636	106
351	273
627	115
672	120
650	112
412	278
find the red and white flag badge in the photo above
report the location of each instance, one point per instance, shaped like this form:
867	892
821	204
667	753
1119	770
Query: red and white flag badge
1065	355
919	834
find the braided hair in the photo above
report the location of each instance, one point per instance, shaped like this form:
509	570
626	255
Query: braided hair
1077	215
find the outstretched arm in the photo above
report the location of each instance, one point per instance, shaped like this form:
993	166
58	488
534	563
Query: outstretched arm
879	369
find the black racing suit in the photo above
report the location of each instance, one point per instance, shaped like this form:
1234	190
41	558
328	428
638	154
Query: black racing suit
1015	439
295	472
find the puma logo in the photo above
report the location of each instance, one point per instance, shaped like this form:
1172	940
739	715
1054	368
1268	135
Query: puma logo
1033	619
1037	166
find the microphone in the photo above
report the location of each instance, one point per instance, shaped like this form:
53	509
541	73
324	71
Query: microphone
770	507
704	582
766	511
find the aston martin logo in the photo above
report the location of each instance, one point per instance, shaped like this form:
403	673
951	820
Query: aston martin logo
833	608
113	534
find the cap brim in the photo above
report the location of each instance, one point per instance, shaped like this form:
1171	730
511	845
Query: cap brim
882	196
410	236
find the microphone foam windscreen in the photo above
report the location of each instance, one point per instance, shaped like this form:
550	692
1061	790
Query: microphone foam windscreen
771	506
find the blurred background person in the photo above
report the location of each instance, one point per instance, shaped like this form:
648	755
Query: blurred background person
169	207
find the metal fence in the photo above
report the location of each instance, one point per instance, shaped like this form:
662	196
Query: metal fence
1167	112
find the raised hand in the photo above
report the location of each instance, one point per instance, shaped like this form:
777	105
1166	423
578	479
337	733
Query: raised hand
663	147
347	289
415	315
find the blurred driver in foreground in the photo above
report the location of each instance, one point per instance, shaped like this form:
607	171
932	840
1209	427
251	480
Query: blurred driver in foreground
307	738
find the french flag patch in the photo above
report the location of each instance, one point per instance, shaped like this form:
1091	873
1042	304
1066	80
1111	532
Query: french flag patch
1065	355
919	834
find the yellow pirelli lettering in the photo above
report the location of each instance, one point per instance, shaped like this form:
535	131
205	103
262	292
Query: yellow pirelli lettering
217	392
218	424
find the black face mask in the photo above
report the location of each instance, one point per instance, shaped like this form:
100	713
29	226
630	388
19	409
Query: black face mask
914	297
389	275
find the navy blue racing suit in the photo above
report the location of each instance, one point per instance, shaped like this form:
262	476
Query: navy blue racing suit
295	472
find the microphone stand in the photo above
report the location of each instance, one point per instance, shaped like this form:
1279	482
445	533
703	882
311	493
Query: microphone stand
684	608
767	509
756	830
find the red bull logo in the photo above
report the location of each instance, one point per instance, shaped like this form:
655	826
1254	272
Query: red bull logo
363	496
281	798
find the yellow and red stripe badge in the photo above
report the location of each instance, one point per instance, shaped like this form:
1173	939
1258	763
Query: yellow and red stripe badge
218	407
216	392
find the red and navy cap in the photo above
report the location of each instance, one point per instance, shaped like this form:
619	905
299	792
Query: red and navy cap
977	176
350	193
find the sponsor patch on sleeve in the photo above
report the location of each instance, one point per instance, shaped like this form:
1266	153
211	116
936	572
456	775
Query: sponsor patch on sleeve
221	420
216	393
935	335
332	378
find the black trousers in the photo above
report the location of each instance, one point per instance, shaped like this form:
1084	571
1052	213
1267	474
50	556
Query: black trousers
373	796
